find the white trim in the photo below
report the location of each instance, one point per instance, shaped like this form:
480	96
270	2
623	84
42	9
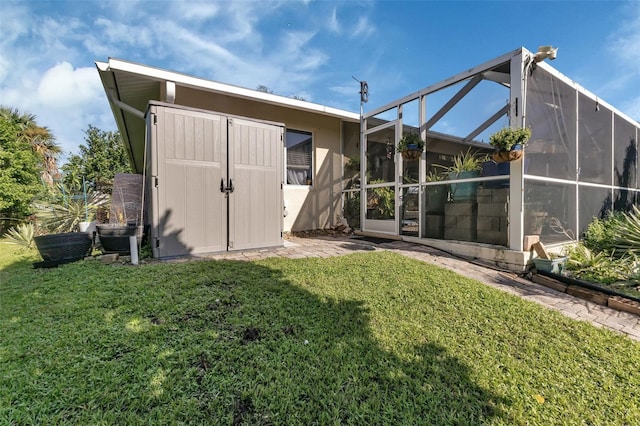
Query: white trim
380	127
387	227
516	114
170	96
214	86
313	159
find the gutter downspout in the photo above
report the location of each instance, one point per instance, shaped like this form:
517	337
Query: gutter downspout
125	107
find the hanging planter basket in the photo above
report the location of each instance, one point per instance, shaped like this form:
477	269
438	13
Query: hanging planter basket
411	153
504	156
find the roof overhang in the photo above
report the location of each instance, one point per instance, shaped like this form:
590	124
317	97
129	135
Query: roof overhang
130	87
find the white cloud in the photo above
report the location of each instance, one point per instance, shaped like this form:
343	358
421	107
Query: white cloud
347	89
363	28
625	42
197	11
14	26
625	47
46	55
240	20
118	33
66	100
334	25
632	108
67	87
200	51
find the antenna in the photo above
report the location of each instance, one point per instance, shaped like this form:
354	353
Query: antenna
364	90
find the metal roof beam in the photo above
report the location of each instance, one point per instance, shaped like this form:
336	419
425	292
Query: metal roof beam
495	117
498	77
489	65
453	101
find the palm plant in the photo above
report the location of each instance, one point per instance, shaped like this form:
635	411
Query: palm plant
43	144
41	140
22	235
465	162
626	231
66	215
593	266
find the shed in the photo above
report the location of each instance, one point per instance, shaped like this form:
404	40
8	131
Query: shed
279	159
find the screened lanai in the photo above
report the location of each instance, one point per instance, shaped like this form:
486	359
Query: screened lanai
580	162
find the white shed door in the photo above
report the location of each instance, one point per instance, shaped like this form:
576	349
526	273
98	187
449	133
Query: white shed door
219	183
255	168
191	158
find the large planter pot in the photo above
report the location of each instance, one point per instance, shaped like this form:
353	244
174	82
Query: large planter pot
114	238
554	266
463	191
57	249
491	168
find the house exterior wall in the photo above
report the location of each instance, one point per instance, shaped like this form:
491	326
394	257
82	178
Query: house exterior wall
307	207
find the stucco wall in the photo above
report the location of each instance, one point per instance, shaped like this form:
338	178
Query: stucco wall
312	207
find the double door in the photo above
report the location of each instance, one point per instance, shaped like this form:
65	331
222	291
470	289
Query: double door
216	182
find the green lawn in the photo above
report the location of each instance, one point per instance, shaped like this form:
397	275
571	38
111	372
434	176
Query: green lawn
365	339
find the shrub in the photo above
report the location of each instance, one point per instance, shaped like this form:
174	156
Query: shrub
22	235
598	235
625	231
505	139
592	266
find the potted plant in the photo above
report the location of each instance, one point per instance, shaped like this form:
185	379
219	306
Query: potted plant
380	202
114	236
58	217
554	265
61	248
508	143
411	146
465	166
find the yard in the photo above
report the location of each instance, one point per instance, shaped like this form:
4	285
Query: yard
369	338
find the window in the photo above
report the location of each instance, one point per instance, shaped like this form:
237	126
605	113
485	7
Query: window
299	157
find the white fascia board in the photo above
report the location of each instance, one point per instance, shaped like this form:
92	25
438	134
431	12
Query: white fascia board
102	66
214	86
109	86
447	82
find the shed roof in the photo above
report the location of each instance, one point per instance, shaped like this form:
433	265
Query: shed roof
131	86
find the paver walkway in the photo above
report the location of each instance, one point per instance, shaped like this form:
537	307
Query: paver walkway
328	246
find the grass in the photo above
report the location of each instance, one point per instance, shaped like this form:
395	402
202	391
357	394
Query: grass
372	338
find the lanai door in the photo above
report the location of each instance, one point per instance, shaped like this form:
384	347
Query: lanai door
216	182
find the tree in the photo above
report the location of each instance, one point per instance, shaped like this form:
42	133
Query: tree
39	138
99	160
19	171
263	88
43	144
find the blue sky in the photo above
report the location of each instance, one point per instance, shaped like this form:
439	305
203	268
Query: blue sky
304	48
